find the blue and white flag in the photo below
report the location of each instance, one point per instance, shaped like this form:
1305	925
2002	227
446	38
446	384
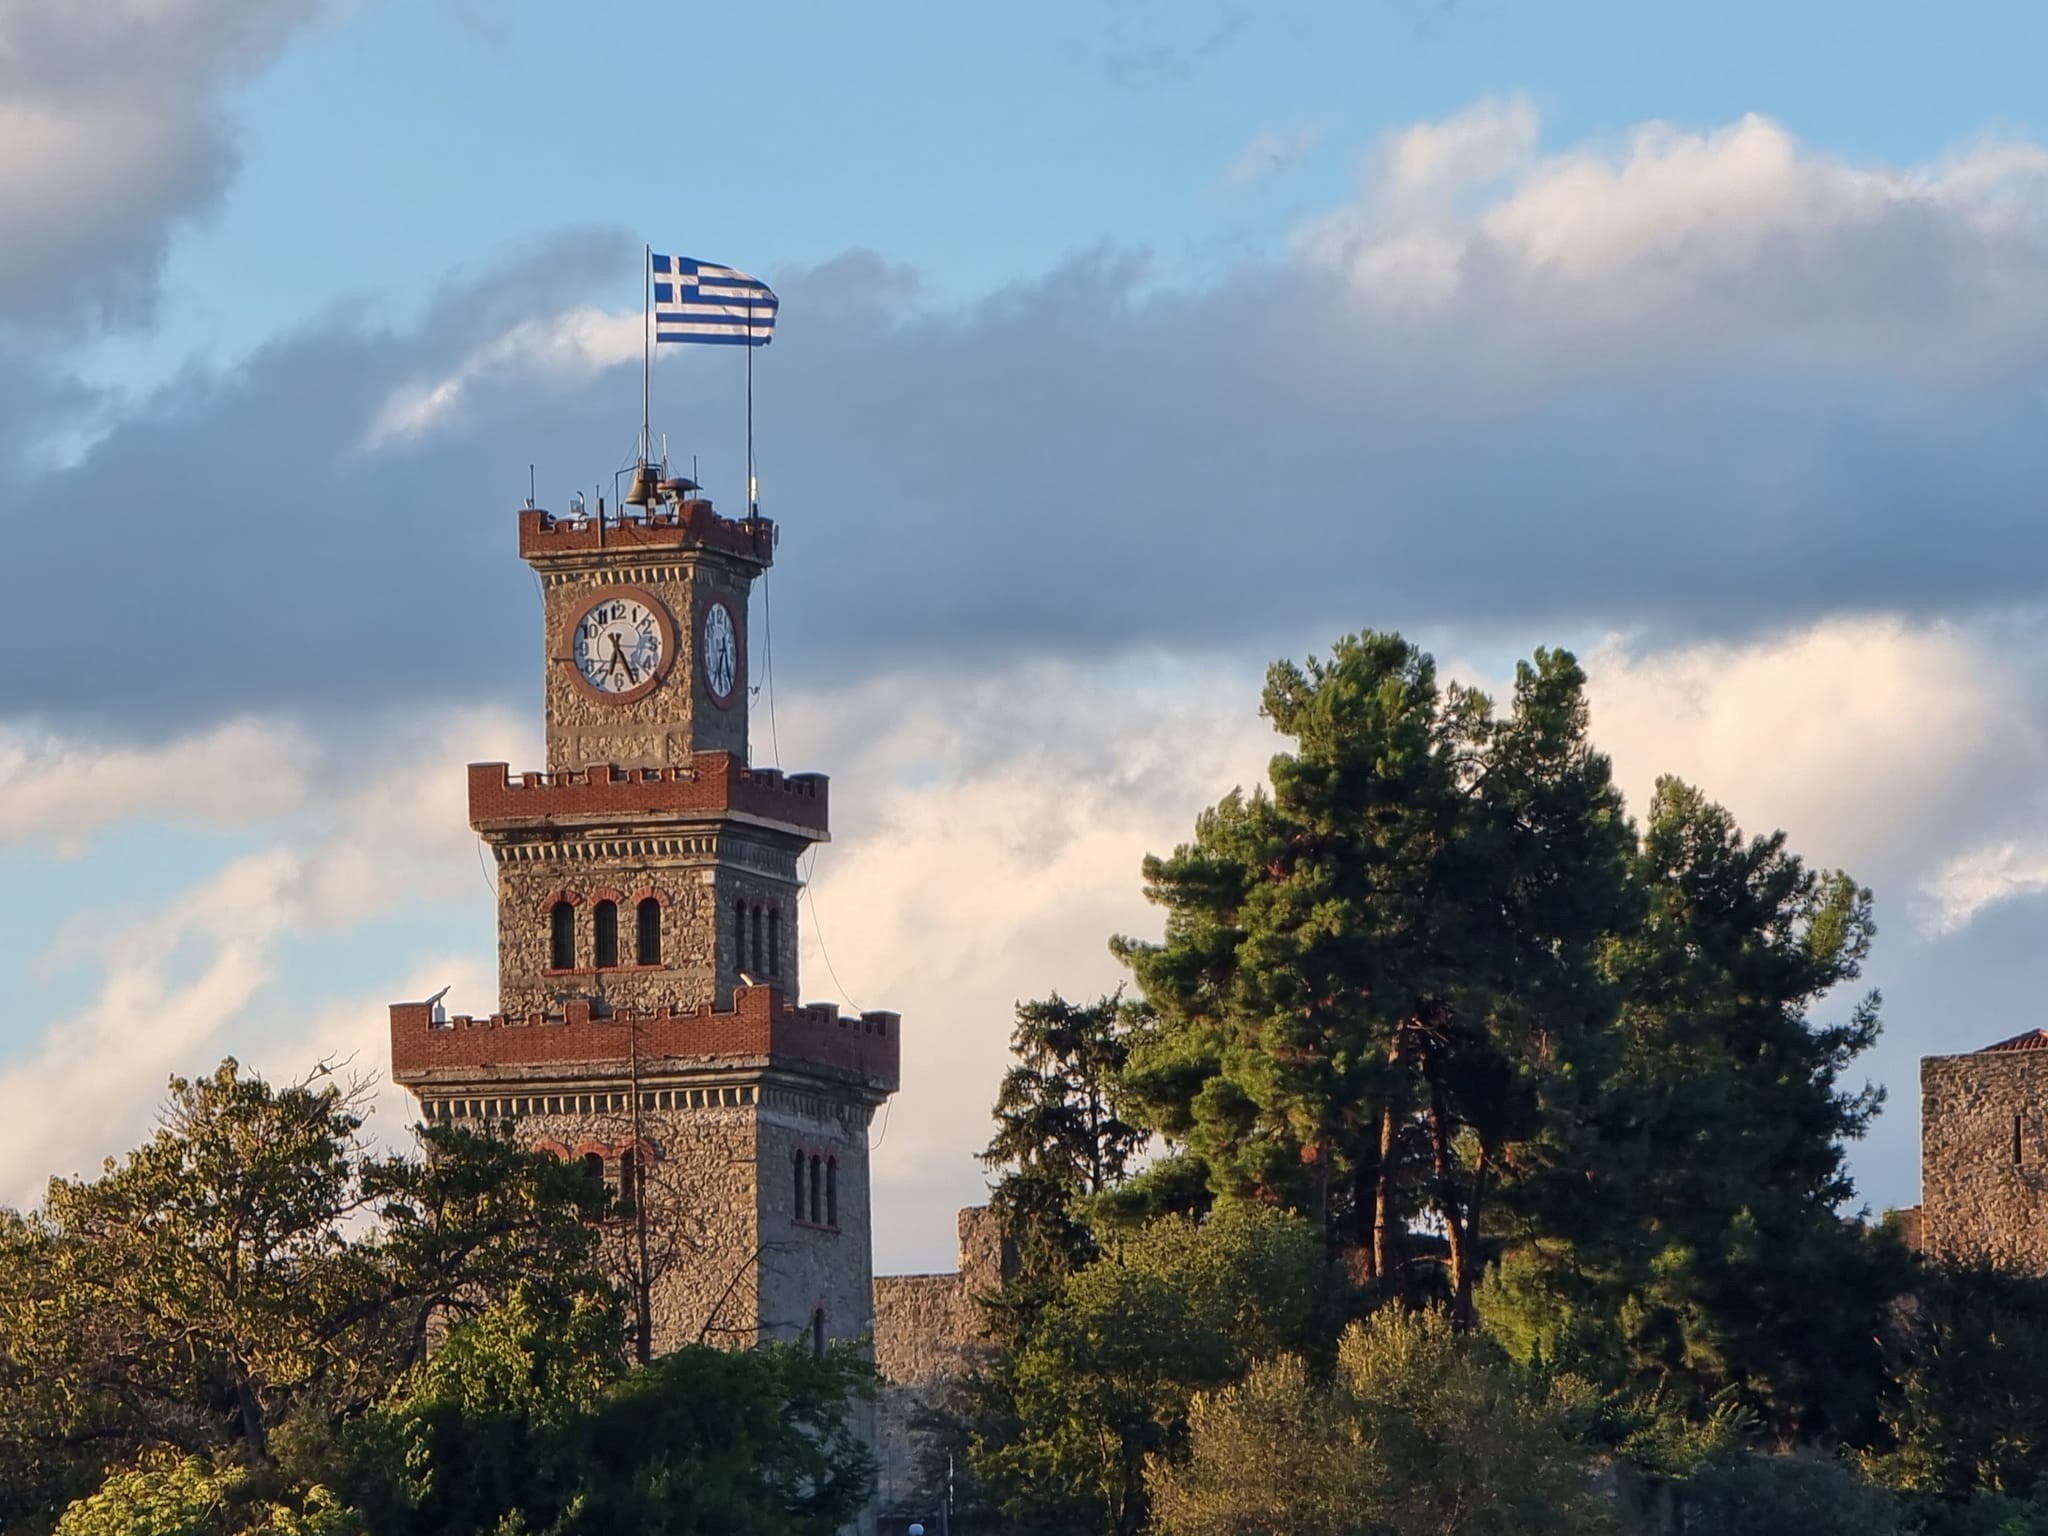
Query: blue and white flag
697	301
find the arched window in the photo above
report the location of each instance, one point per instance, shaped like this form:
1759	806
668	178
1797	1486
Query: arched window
818	1332
647	941
817	1189
739	935
774	941
832	1192
562	936
628	1168
593	1167
796	1203
760	949
604	917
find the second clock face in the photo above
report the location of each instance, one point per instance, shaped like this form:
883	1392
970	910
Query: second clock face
721	652
620	645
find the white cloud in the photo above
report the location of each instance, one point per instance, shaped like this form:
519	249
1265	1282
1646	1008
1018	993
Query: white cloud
1875	742
1687	233
199	975
60	789
1979	878
571	346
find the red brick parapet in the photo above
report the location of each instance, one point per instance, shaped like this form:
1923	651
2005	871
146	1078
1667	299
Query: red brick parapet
710	784
759	1024
687	525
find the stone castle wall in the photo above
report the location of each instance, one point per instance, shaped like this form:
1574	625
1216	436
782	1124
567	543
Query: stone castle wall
1984	1157
928	1333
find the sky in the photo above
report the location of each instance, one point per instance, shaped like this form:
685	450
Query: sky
1124	348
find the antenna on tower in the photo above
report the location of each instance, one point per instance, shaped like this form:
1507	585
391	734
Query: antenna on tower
529	488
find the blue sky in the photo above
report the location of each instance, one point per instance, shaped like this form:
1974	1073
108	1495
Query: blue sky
1125	347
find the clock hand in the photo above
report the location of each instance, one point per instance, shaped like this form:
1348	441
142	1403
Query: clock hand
619	660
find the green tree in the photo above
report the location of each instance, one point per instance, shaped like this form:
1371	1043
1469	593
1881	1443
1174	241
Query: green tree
1061	1426
1745	1494
530	1420
1420	1431
1060	1138
250	1267
1967	1352
1379	991
1702	1254
192	1496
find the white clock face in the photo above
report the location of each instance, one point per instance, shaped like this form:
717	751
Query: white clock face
618	645
721	652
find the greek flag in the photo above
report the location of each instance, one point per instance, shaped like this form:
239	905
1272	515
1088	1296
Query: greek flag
697	301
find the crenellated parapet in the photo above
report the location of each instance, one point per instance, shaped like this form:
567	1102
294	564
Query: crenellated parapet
710	784
587	1039
689	525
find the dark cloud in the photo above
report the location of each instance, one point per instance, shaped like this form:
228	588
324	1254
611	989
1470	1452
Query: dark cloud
113	130
1075	465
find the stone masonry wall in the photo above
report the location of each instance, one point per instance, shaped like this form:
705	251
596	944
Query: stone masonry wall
1984	1156
701	1201
701	956
928	1333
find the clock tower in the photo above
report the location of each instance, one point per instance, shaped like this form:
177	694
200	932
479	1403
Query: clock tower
647	885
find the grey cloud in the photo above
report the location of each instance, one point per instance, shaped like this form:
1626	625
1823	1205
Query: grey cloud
112	130
1076	465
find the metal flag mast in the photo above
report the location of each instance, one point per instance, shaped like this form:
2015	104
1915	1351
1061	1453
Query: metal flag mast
753	486
646	348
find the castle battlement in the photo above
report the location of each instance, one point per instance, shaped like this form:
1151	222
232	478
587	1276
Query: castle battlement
587	1037
710	784
689	525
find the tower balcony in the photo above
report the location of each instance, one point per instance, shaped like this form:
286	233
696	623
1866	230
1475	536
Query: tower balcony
585	1040
711	786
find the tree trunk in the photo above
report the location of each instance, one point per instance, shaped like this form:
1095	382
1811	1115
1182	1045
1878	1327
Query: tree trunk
1447	1203
1383	1195
1365	1204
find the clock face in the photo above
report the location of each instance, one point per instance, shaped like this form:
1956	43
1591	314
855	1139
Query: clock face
721	652
620	645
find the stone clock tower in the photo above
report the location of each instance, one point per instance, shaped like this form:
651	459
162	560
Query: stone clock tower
647	947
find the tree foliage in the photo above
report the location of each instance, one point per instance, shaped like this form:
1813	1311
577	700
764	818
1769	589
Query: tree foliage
1967	1352
529	1420
1063	1424
1379	991
1704	1253
1419	1431
1061	1138
226	1332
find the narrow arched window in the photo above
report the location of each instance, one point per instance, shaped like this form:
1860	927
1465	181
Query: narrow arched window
760	949
628	1170
593	1167
739	935
562	936
774	941
818	1332
796	1203
817	1189
832	1192
604	918
647	941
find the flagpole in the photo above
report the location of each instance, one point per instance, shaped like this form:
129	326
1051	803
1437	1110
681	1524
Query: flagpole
753	506
646	346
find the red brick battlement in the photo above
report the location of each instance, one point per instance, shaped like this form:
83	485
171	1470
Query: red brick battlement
582	1040
687	525
710	784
